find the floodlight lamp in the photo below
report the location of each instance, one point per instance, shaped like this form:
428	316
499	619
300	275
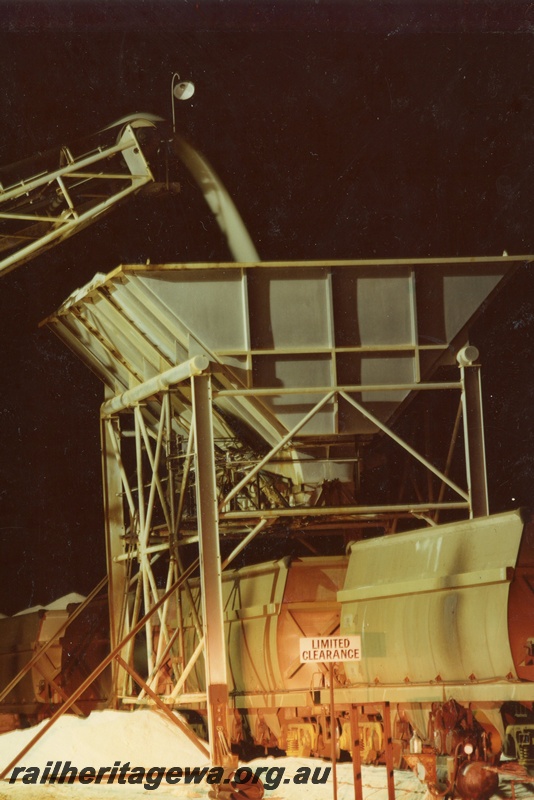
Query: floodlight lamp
184	90
180	90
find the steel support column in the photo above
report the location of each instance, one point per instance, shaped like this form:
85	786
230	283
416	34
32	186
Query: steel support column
475	450
114	531
473	420
210	570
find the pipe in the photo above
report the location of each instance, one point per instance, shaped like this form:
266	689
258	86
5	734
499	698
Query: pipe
322	511
159	383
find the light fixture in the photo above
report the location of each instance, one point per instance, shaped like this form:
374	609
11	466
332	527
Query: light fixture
180	90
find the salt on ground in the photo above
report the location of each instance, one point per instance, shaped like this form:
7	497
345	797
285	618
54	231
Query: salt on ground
144	737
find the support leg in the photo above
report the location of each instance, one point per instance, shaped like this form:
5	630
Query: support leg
210	570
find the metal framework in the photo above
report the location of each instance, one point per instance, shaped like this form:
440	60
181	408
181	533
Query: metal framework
146	519
52	197
68	193
242	401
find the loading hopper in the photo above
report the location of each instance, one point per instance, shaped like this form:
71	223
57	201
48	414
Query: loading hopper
281	336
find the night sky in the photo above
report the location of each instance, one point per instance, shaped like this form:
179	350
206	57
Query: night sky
341	129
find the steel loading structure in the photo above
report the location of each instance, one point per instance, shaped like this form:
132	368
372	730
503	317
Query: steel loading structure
242	401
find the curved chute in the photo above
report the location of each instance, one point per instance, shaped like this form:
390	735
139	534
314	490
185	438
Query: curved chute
216	196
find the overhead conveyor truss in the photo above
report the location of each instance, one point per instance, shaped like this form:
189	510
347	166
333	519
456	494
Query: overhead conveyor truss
69	192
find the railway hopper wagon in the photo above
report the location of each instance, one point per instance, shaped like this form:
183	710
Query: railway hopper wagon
267	608
446	618
53	653
22	636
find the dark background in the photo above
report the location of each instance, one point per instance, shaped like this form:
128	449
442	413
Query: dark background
341	129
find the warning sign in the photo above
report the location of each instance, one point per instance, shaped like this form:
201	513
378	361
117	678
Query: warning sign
330	648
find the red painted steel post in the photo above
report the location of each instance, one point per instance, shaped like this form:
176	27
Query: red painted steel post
389	752
356	752
333	732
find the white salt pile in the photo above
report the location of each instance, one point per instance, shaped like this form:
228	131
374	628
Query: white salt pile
57	605
145	738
